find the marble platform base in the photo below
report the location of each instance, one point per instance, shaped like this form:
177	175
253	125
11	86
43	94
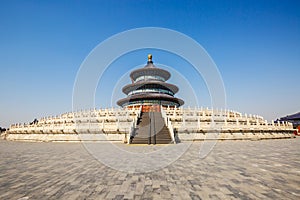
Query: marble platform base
233	136
121	137
66	137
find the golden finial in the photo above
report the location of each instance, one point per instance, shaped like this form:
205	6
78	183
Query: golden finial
149	58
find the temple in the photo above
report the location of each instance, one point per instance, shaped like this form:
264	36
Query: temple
150	114
149	87
150	92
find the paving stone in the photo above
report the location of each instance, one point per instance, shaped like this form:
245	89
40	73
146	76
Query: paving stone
267	169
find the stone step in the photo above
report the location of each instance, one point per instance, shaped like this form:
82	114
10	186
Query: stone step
143	128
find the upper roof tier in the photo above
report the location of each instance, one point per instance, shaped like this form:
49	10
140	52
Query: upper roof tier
150	70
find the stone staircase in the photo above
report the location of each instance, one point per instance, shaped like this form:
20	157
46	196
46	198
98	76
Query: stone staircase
141	132
151	129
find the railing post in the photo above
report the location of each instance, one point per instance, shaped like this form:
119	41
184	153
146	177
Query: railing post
154	130
149	137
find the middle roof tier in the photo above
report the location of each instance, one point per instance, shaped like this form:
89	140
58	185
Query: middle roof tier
150	85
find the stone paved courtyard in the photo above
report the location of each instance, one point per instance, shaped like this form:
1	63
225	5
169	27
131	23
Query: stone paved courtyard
267	169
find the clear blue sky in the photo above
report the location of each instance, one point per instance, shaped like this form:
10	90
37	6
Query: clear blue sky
255	44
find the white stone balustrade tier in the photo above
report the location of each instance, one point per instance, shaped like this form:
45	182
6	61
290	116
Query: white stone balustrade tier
184	121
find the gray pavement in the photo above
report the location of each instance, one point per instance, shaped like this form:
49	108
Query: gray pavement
267	169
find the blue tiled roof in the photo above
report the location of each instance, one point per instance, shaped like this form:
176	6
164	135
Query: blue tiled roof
292	117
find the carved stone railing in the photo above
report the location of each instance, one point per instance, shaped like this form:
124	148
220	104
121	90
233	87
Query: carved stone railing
168	124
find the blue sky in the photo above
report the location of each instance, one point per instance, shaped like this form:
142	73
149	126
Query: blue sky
255	44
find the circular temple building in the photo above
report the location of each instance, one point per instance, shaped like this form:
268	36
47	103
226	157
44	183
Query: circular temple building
149	87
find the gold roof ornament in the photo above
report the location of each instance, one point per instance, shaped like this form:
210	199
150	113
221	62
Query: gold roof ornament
149	57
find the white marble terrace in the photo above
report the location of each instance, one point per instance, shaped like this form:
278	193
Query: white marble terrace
199	120
183	123
86	121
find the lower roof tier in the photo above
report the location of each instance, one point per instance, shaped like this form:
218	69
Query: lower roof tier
151	98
